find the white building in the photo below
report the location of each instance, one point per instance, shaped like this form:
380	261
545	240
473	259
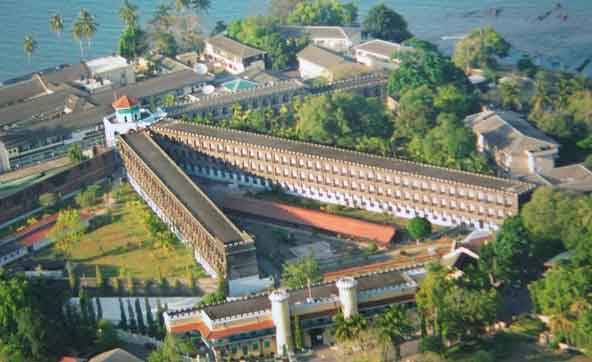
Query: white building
115	69
235	57
128	117
379	53
316	62
337	38
518	148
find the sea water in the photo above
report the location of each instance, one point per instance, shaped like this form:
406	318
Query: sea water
562	39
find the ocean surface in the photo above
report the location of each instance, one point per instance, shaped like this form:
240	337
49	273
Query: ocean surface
562	39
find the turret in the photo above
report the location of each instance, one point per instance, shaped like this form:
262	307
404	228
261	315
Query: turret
280	312
348	296
127	109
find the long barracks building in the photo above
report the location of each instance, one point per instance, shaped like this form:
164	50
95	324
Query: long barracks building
218	245
402	188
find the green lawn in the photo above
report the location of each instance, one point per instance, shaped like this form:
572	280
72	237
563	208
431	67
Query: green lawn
124	246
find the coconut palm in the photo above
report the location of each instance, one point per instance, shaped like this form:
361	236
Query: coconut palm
162	17
29	45
129	13
56	24
348	329
84	28
394	327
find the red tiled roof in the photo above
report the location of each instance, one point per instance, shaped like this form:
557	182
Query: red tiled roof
223	332
124	102
71	359
381	234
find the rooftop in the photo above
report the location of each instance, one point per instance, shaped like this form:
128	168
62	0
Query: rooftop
106	64
398	165
124	102
319	32
183	188
261	302
233	47
575	177
321	57
510	132
236	85
382	234
115	355
382	47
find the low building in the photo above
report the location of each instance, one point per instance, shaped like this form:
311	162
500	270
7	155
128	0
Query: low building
576	177
518	149
115	355
379	53
337	38
315	62
235	57
128	117
263	325
115	69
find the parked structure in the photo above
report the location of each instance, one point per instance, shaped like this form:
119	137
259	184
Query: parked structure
316	62
219	246
379	53
336	38
277	94
128	117
263	325
518	148
235	57
114	69
402	188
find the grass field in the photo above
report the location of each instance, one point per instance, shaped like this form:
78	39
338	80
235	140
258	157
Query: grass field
124	246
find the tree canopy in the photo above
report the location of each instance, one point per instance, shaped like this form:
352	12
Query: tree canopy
382	22
300	273
323	12
480	49
419	228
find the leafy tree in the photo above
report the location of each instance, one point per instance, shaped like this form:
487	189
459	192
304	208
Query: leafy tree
75	153
579	106
451	99
430	299
425	68
99	277
419	228
122	317
421	44
526	66
298	336
415	112
167	352
480	49
394	327
588	162
281	9
508	258
342	119
48	200
323	12
219	28
162	17
67	230
384	23
133	42
483	356
72	278
510	95
140	318
164	43
89	197
107	337
555	293
215	297
263	33
301	273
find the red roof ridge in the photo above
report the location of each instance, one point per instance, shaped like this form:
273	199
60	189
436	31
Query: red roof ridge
124	101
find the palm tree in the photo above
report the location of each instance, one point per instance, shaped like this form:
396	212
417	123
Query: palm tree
84	28
162	17
394	327
29	45
129	13
348	329
56	24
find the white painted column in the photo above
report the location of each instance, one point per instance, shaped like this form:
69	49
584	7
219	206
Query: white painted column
348	296
280	313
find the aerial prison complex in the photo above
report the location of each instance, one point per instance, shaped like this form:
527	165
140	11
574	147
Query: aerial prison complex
161	160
